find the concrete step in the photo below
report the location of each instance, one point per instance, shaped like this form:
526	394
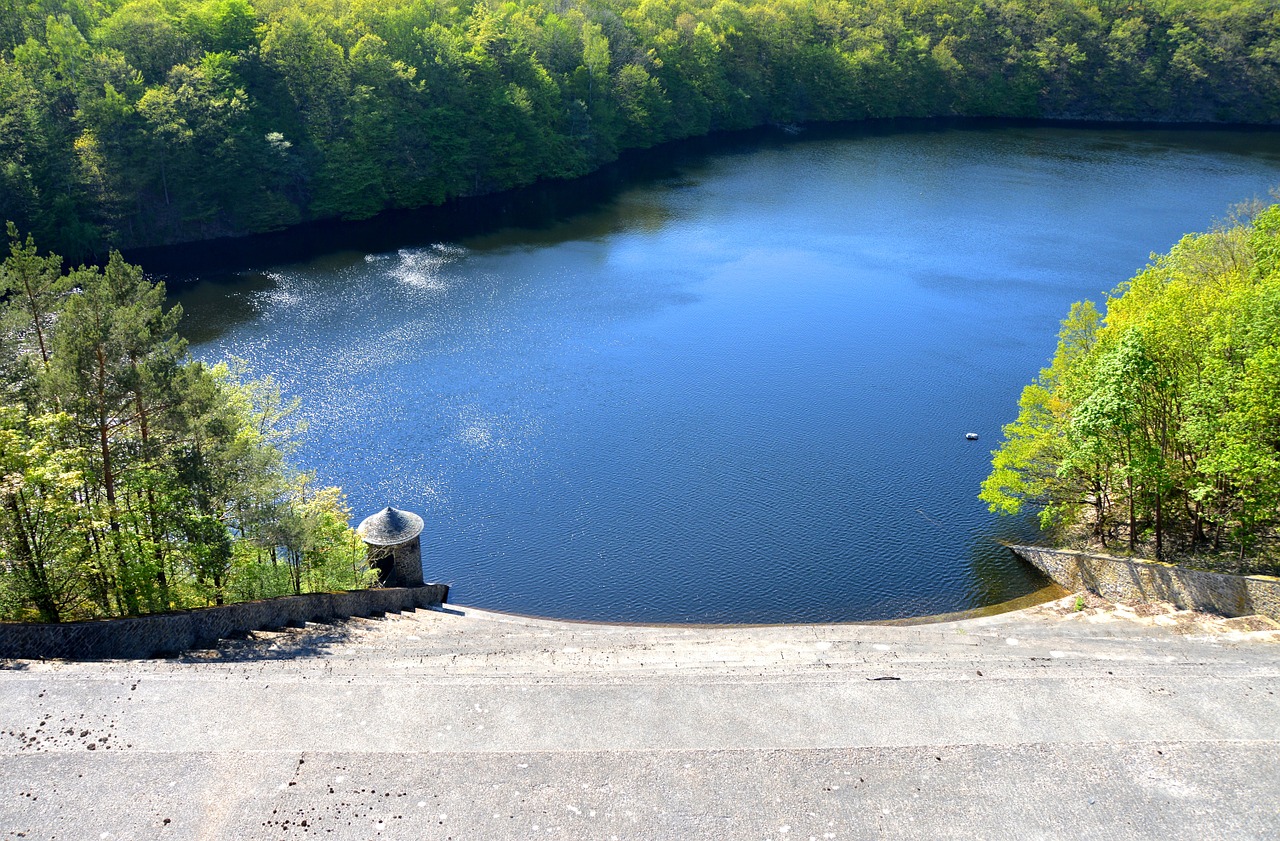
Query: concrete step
469	644
1145	790
242	711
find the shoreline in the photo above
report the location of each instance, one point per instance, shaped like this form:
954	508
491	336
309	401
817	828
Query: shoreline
1044	595
547	200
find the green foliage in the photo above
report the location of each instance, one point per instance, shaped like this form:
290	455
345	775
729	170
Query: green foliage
133	480
148	121
1163	422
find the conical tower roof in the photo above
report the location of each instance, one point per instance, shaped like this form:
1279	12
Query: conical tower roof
390	527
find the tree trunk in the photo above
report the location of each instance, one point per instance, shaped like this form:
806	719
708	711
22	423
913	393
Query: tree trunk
37	576
1159	525
125	586
1133	520
1099	514
36	317
162	579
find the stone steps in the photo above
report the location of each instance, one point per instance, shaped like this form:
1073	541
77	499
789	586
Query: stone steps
468	645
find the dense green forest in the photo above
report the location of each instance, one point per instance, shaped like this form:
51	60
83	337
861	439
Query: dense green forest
1157	427
133	480
127	123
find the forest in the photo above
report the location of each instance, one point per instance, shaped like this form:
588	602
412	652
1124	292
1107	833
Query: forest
132	123
133	479
1156	428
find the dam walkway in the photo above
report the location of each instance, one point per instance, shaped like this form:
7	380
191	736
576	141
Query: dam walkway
463	724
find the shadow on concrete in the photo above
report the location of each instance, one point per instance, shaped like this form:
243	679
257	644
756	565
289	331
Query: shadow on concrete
289	643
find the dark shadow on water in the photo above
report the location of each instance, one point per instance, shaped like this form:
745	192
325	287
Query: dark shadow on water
540	207
993	575
212	307
997	574
548	204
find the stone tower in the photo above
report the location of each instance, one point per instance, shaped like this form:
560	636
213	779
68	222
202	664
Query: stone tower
394	546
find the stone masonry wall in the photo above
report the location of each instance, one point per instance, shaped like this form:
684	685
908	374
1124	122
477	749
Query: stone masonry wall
170	633
1136	580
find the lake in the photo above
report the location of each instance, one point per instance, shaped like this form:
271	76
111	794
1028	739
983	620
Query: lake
732	385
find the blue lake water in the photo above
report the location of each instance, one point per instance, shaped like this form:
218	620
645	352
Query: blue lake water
735	389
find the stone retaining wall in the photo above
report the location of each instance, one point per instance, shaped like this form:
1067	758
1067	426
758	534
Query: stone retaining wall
1136	580
170	633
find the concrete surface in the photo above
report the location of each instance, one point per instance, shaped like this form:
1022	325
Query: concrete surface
1045	723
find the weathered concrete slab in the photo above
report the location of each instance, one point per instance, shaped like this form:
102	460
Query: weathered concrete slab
398	714
1151	790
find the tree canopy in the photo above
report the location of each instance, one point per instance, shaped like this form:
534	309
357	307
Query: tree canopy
132	479
128	123
1157	427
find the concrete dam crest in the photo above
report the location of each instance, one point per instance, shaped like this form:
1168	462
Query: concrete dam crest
459	723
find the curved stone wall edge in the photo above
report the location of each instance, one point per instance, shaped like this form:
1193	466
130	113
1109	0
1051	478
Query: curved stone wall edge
1139	580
